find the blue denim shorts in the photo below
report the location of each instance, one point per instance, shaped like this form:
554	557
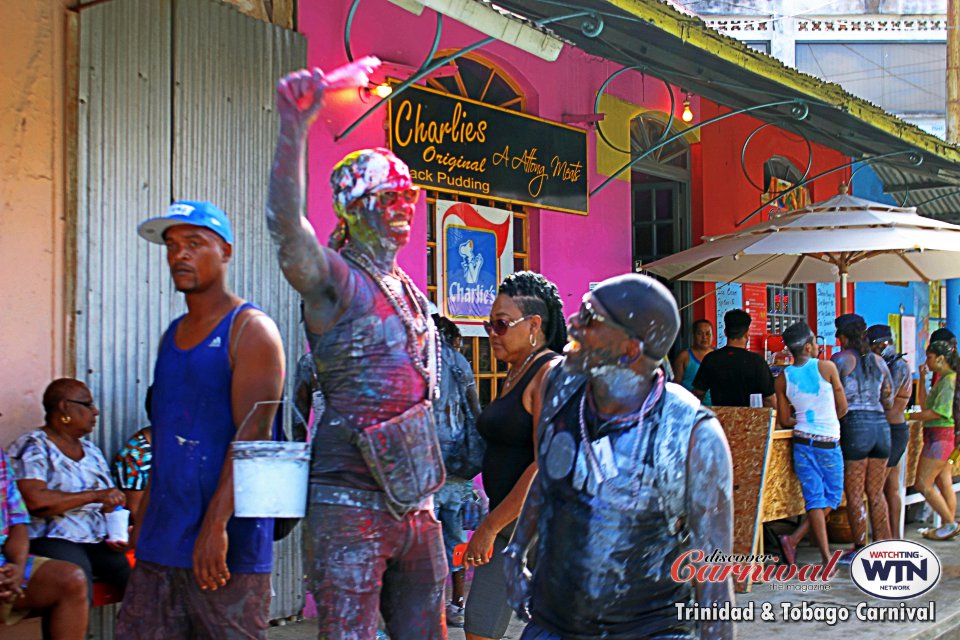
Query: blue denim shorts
820	472
864	434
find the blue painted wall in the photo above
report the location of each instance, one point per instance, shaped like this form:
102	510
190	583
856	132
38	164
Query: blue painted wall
876	300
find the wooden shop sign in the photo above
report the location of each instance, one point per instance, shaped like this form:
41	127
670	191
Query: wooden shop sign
462	146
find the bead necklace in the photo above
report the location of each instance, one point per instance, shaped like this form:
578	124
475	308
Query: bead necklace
515	372
427	362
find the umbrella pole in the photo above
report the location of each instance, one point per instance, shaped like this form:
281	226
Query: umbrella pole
843	292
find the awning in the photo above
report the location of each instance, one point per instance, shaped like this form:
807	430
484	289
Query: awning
683	50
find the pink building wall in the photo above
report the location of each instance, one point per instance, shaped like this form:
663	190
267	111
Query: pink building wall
570	249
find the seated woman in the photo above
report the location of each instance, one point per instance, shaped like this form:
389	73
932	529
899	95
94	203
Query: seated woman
65	482
131	465
29	582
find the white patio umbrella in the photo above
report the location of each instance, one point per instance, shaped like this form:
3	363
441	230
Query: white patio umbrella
841	239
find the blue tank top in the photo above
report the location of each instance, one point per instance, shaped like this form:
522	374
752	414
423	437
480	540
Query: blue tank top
693	365
193	427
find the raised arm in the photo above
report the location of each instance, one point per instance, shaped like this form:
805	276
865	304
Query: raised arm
303	261
316	272
710	513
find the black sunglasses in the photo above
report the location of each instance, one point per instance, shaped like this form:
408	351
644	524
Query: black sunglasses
501	326
588	314
89	404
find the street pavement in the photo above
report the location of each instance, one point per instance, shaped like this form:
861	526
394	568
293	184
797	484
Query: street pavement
842	594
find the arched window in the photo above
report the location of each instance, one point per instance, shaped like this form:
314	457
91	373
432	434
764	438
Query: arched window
672	160
780	175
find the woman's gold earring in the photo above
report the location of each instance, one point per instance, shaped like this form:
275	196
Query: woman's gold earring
533	341
65	419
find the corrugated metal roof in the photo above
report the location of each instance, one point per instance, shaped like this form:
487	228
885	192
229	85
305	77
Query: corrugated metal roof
685	51
934	196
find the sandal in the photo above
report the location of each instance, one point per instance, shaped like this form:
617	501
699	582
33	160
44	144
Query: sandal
931	533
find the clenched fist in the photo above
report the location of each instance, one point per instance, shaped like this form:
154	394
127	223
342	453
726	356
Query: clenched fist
300	94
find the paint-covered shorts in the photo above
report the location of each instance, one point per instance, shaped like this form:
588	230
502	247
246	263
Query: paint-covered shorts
820	472
361	562
937	443
166	602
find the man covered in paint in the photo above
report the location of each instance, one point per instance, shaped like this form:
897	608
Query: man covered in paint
376	353
633	473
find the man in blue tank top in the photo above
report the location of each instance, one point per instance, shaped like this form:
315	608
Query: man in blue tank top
201	572
367	550
634	475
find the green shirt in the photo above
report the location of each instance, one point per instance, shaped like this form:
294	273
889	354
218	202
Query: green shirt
940	401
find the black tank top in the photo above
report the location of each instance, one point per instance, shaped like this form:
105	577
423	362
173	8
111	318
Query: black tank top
507	429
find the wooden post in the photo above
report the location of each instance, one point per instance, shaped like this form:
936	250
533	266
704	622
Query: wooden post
953	72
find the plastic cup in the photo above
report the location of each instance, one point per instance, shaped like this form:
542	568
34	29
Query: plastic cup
756	401
118	523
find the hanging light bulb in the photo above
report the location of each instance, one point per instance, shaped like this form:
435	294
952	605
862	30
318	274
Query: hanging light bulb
382	90
687	115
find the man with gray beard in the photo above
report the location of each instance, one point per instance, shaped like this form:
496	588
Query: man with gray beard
633	473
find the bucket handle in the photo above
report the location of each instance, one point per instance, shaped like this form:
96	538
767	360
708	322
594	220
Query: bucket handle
282	402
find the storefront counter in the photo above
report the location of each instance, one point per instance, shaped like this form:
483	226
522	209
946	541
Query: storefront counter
754	445
765	487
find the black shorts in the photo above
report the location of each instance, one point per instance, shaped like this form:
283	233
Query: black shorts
899	436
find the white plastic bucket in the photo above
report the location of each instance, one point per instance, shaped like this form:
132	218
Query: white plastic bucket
270	479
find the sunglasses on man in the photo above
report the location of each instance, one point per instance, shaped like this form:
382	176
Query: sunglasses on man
588	313
390	198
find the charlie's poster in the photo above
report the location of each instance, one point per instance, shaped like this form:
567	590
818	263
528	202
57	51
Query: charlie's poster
474	253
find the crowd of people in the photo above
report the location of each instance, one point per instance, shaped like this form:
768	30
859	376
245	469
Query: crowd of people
578	452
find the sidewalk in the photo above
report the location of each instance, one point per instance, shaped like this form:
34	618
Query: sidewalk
946	596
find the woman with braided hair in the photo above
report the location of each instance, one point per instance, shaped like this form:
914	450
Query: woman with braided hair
527	331
864	432
940	414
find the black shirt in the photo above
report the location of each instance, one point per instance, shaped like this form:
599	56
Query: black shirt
731	375
507	428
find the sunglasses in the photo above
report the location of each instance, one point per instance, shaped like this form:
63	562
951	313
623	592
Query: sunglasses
390	198
89	404
588	314
501	326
